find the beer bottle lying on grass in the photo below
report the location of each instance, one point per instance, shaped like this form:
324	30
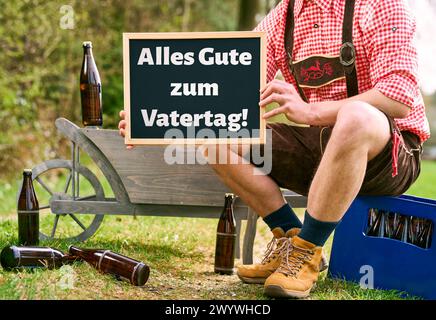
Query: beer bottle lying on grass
14	257
122	267
106	261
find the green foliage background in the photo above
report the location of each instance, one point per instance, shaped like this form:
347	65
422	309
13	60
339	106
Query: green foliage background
40	62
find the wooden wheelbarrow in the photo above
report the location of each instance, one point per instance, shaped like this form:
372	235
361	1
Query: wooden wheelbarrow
143	184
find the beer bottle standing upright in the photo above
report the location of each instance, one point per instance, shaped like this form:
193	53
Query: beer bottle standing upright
226	238
14	257
106	261
90	89
28	212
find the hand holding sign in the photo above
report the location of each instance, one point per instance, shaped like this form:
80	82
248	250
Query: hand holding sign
122	127
290	102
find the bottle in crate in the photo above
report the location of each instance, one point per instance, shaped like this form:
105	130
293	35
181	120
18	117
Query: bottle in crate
414	230
424	237
401	228
391	224
375	222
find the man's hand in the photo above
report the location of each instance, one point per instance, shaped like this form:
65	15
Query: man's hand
122	127
290	102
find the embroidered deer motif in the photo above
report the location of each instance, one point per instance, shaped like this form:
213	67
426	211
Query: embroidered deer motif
316	72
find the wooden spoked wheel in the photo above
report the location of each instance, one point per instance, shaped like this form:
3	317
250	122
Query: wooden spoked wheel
52	180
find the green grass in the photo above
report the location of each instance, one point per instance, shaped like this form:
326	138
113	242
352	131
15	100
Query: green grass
425	186
181	260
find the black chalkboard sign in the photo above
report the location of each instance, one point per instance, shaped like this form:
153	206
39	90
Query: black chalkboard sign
196	88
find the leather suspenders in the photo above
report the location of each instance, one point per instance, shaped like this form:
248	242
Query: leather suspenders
289	44
347	54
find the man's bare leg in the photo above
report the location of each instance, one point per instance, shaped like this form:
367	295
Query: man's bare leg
361	132
259	191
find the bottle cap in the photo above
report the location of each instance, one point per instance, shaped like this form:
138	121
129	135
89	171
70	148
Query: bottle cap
229	195
27	171
7	258
87	44
140	274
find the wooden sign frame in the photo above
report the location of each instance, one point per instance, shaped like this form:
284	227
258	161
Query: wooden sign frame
191	35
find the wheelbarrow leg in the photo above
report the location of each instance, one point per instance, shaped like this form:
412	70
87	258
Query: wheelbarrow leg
249	236
238	239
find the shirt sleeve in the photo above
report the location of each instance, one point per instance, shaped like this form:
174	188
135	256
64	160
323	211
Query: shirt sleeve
388	29
270	24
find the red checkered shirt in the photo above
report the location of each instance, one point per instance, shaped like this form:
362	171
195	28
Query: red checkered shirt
386	57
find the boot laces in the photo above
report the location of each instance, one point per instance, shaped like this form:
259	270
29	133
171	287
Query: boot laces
294	259
275	247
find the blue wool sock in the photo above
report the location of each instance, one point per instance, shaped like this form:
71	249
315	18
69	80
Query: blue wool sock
284	218
315	231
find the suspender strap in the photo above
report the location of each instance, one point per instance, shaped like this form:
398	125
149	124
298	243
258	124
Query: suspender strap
348	51
289	44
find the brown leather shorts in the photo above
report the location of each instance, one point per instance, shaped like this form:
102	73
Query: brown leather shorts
297	152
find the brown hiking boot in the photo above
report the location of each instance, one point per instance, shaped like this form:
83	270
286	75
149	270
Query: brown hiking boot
257	273
298	270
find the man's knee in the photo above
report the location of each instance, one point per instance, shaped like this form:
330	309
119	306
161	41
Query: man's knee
355	122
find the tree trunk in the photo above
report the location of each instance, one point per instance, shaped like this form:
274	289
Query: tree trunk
186	14
271	4
247	14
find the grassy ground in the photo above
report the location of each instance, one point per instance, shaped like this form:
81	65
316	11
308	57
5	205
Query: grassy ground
181	260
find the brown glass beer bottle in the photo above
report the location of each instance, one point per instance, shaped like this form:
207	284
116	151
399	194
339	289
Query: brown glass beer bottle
226	238
28	212
109	262
415	228
90	89
401	228
424	237
392	221
14	257
375	223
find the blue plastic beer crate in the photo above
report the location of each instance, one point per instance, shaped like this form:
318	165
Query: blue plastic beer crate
394	264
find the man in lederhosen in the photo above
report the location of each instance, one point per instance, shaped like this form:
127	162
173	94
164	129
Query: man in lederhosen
350	69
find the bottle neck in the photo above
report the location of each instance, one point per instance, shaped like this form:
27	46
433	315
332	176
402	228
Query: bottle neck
228	204
228	207
27	188
87	51
27	179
